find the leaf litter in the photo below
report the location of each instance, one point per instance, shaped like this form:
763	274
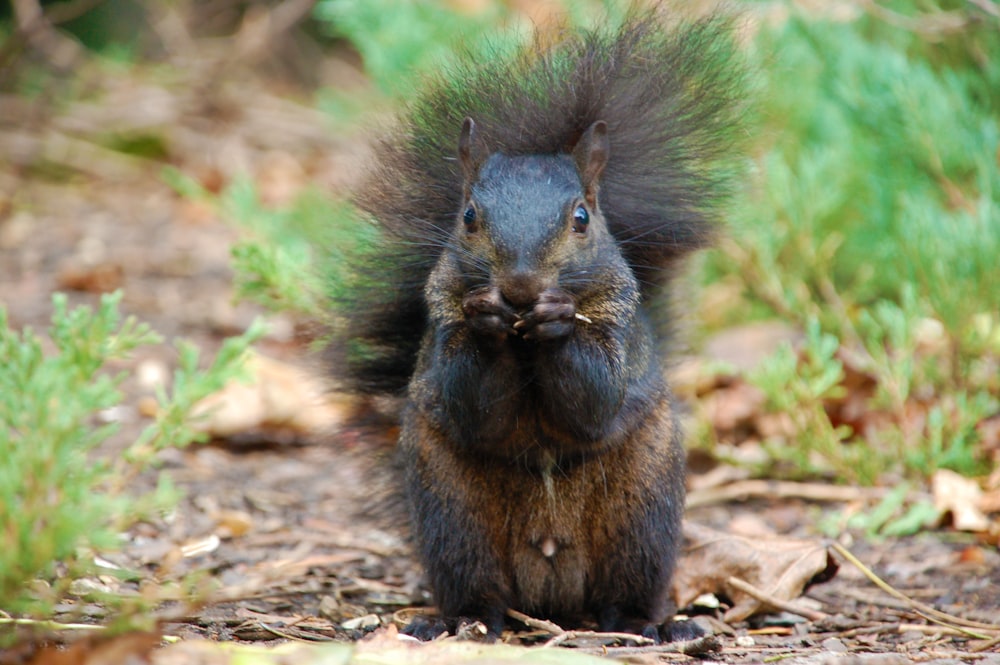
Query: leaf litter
286	522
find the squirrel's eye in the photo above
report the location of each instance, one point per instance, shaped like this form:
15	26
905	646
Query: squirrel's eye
469	217
580	219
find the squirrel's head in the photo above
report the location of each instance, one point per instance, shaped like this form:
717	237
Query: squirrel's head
532	222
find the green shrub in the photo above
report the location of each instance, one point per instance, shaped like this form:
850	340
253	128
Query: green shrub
875	213
60	502
399	40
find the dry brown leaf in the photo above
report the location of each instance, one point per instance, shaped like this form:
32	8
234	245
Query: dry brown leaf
989	434
961	497
744	347
990	501
694	377
278	395
734	406
280	178
233	523
101	278
781	567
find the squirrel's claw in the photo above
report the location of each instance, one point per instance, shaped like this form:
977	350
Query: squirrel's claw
487	312
553	316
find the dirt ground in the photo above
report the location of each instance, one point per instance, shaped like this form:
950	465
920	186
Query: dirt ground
293	528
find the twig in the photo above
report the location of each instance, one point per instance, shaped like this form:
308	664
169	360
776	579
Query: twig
927	25
776	489
948	626
538	624
288	636
949	620
929	630
871	630
988	645
261	28
36	27
939	655
990	8
695	647
561	636
777	603
571	635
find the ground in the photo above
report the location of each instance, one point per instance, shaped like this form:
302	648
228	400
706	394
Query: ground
294	528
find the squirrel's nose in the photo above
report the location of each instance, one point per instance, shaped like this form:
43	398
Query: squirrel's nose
521	289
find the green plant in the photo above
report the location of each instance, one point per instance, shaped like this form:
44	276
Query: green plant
399	40
289	258
874	219
897	514
799	386
59	500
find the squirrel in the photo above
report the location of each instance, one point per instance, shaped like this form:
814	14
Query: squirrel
532	210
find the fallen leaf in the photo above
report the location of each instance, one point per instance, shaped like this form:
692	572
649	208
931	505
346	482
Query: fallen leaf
988	430
233	523
733	407
101	278
960	497
780	567
277	395
989	502
201	546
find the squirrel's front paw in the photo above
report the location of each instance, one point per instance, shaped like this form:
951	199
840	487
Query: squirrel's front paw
487	312
553	316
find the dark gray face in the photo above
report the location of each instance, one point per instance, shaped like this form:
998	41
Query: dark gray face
525	205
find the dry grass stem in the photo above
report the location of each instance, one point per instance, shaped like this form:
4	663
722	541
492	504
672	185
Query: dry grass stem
777	489
777	603
945	619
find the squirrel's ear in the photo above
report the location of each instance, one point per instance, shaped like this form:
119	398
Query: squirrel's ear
591	156
469	151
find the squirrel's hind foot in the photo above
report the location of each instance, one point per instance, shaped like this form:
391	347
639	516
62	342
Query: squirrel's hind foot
427	629
680	630
611	620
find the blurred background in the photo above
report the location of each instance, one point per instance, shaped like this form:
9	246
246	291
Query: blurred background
197	157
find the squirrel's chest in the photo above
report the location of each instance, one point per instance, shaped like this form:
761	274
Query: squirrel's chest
550	547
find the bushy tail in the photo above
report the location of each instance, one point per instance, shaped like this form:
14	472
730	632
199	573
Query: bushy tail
671	93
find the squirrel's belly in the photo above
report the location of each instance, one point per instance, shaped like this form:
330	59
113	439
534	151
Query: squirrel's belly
550	578
550	560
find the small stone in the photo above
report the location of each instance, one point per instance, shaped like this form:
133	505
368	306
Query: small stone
329	607
834	645
361	623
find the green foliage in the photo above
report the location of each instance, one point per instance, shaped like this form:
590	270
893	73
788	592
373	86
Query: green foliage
884	170
799	385
397	40
191	384
895	515
291	258
48	505
276	262
874	219
59	501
